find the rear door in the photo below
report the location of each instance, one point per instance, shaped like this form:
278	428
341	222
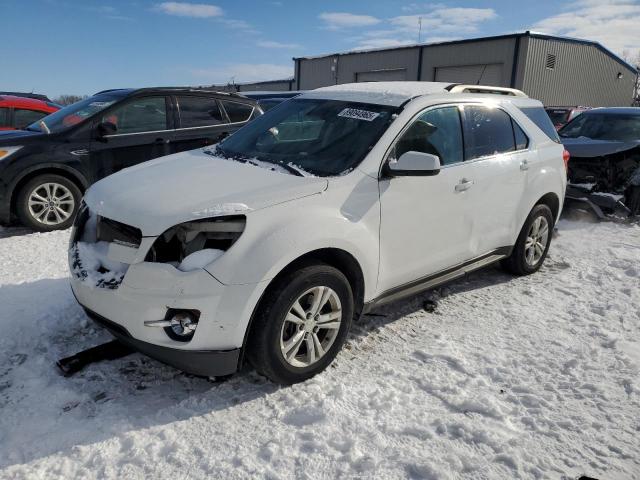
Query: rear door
144	132
200	122
497	150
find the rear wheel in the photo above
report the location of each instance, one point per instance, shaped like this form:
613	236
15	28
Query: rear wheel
533	243
48	202
301	324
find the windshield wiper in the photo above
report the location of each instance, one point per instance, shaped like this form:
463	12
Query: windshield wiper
289	168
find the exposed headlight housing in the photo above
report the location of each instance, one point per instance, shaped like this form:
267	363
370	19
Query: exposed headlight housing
6	152
178	242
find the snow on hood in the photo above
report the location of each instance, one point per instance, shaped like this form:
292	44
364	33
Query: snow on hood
159	194
382	93
583	147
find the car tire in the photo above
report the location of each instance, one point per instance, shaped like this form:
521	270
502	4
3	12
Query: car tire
533	243
48	202
280	348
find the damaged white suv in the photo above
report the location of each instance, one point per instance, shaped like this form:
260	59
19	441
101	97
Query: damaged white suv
267	246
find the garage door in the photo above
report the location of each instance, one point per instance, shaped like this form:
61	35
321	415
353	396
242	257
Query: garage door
382	75
486	74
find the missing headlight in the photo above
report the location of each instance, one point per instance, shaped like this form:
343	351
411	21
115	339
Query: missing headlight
180	241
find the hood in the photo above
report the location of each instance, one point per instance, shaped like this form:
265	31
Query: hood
159	194
583	147
13	137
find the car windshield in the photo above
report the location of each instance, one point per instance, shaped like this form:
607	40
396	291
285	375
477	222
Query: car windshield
603	126
558	116
314	136
73	114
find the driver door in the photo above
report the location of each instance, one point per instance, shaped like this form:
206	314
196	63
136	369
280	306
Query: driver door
142	133
426	222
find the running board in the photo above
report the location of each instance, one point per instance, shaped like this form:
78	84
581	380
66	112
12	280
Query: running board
439	278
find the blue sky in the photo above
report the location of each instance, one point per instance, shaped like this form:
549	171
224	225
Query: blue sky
82	46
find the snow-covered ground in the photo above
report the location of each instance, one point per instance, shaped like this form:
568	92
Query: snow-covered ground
533	377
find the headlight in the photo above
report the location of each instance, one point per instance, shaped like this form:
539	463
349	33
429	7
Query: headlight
8	151
195	244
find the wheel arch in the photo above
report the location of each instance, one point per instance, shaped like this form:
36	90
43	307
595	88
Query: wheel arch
552	201
338	258
69	173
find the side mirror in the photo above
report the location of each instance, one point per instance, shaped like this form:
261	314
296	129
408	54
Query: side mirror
106	128
414	164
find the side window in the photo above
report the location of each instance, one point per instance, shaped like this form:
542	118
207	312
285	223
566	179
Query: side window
522	141
238	112
4	117
140	115
487	131
24	118
437	132
199	112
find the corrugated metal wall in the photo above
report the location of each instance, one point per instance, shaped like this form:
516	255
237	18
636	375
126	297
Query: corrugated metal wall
317	72
582	75
467	54
349	66
276	86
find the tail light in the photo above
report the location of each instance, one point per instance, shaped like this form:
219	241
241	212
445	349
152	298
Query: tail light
565	157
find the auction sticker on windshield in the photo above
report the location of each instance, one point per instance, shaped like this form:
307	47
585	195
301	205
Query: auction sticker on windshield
359	114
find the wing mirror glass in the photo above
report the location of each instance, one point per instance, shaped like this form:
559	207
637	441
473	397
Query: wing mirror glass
416	164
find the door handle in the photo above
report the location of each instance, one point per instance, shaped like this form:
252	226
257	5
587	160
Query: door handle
463	185
524	165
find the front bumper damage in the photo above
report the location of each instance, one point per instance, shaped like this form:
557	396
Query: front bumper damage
121	292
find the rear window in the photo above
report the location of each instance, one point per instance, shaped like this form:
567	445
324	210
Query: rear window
24	118
538	116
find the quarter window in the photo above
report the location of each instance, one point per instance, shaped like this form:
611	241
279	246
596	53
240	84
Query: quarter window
487	131
238	112
199	112
436	132
24	118
141	115
522	141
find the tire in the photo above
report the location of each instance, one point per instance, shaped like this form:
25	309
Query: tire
521	262
48	202
273	332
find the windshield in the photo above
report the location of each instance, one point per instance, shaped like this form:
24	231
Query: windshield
320	137
73	114
604	126
558	117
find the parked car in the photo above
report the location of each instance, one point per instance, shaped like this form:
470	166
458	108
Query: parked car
605	158
267	245
268	100
36	96
560	116
45	168
20	112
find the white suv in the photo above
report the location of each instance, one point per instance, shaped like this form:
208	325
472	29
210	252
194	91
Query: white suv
268	245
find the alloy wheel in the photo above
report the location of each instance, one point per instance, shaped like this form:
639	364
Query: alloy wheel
51	203
311	326
537	239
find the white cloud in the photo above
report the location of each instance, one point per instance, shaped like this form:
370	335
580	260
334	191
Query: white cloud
184	9
613	23
271	44
243	72
439	23
336	20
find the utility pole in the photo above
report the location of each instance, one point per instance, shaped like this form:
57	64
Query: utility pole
419	29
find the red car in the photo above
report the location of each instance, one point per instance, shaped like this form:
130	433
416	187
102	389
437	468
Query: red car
560	116
18	112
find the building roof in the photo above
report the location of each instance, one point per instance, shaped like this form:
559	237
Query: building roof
528	33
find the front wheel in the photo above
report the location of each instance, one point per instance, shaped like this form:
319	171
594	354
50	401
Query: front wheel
48	202
301	324
533	243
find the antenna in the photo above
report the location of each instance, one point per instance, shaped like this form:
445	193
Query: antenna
419	29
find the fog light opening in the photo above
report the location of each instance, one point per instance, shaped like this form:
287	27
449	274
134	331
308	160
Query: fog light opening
183	324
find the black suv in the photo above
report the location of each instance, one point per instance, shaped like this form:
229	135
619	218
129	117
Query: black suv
45	168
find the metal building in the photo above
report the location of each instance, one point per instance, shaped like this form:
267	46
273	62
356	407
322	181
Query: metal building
555	70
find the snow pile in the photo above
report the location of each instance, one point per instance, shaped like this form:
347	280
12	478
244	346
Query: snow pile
532	377
199	259
90	262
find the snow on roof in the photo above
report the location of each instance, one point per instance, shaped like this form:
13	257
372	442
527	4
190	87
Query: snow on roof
382	93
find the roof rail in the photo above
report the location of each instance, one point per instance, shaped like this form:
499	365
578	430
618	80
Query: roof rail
486	89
